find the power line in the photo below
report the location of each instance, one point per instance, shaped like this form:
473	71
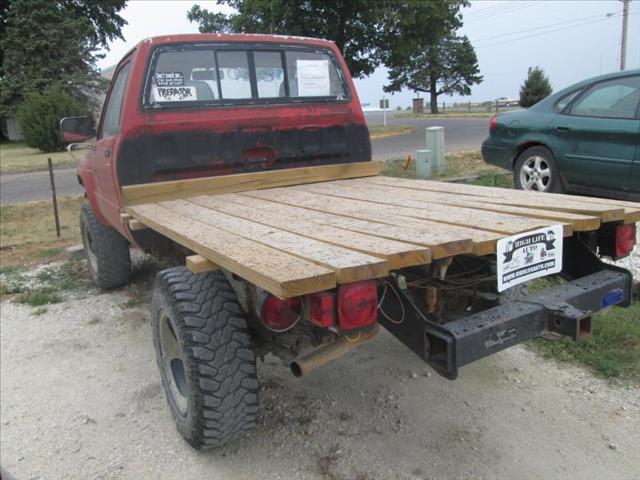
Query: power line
492	9
504	10
599	16
550	31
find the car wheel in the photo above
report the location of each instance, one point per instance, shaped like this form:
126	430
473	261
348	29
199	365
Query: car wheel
536	170
106	251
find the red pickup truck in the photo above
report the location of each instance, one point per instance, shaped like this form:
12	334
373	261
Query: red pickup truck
234	113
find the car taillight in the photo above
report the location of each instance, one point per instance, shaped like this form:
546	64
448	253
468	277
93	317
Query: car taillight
280	315
625	239
493	124
357	304
322	306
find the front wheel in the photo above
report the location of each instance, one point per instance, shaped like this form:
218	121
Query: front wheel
106	251
536	170
205	356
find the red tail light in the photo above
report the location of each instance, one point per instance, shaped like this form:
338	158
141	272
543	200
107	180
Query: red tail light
280	315
625	239
493	124
322	306
357	304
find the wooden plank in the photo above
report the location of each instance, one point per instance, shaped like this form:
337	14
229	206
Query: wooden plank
501	196
357	199
580	223
159	191
198	264
397	254
442	240
279	273
136	225
349	266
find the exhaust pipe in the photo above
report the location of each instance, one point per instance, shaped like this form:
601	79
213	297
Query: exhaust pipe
329	351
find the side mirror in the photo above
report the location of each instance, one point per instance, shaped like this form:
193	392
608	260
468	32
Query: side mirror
77	129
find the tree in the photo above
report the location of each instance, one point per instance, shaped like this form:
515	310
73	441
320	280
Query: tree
54	42
535	87
363	30
448	67
39	117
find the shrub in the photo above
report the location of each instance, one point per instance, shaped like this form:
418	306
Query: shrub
40	114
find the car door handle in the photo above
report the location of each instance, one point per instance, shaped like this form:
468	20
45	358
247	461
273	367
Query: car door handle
562	129
107	153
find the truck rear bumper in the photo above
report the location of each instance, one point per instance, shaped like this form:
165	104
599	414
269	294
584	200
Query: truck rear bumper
566	310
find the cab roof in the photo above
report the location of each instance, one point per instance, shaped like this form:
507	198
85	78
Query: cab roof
236	37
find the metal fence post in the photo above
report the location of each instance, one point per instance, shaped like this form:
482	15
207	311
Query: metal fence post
53	193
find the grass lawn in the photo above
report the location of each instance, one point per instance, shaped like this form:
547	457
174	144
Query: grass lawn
458	164
17	157
613	351
28	234
380	131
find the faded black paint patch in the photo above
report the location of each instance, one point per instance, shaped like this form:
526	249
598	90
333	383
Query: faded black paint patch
169	156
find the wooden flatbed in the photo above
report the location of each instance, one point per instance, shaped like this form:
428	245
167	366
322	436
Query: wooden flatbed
304	230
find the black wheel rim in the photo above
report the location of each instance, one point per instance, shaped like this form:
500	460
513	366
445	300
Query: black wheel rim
173	364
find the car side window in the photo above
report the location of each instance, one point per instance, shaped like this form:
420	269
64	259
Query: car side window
111	123
566	100
617	98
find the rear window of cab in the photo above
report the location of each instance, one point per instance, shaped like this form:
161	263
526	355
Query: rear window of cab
188	76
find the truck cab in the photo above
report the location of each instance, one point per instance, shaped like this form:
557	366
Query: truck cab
187	106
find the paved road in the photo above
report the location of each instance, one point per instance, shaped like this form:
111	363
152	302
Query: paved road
460	134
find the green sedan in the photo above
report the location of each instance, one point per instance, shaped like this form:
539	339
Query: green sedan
583	139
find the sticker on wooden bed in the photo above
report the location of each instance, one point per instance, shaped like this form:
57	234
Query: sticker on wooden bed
174	94
529	255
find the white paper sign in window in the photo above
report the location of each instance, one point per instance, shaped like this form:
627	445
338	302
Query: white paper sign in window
313	78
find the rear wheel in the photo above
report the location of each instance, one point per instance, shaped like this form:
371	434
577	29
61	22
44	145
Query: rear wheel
536	170
106	251
205	356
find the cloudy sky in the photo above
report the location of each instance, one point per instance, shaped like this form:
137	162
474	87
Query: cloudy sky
571	40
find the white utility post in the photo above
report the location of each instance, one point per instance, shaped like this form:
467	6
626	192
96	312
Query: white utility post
384	103
434	137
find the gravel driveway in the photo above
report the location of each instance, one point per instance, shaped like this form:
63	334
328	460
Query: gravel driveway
81	399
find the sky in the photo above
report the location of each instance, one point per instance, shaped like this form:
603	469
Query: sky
570	39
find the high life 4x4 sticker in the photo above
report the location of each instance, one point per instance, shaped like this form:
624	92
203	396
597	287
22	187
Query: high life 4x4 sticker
529	255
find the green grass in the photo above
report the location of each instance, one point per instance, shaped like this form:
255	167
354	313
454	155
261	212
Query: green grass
39	296
19	158
613	351
457	164
502	180
380	131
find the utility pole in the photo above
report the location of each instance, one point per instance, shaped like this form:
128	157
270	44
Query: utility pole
623	42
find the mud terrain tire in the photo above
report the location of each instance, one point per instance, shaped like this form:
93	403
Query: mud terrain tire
205	356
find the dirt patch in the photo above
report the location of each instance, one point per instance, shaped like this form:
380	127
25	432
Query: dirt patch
81	399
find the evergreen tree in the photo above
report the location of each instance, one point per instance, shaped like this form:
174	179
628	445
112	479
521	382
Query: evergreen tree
54	42
535	87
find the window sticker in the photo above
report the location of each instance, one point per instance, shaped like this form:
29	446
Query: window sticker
169	79
529	255
313	78
174	94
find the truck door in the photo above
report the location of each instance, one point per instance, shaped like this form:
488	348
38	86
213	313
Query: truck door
102	158
597	138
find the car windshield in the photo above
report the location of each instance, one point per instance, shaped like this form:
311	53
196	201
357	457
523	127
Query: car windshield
208	75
